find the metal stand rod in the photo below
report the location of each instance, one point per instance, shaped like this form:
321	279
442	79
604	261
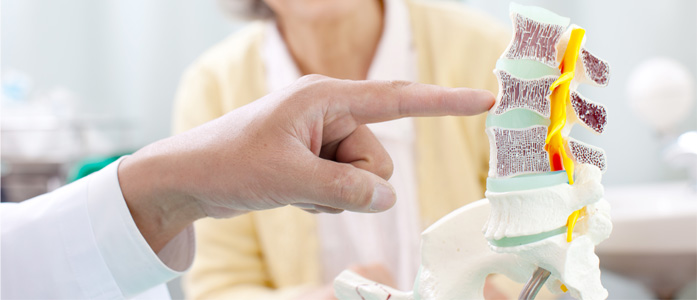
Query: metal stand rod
534	284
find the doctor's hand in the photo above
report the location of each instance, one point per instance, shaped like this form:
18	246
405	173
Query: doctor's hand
306	145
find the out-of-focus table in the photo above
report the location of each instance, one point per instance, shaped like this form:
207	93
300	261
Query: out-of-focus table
38	150
654	237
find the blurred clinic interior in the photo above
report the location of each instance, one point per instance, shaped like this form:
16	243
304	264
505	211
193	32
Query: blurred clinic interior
84	82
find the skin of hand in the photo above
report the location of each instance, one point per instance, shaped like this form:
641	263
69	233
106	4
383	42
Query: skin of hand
491	292
305	145
376	272
379	273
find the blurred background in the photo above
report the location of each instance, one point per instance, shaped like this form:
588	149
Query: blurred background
83	81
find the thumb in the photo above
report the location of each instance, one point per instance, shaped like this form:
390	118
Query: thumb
343	186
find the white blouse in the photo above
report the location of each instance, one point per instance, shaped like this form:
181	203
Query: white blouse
391	237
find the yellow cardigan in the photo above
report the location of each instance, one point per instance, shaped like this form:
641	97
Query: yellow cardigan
275	253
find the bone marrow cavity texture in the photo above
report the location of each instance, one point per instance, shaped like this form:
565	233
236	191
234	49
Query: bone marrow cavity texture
537	104
528	123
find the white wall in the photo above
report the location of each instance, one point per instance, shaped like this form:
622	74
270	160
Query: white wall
121	57
125	57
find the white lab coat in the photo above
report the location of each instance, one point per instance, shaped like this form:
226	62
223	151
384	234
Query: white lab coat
80	242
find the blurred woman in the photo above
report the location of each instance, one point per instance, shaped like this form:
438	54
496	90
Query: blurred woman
440	164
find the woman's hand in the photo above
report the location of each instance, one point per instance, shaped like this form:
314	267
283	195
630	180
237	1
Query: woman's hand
376	272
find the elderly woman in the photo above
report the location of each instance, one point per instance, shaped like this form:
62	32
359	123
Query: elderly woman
440	164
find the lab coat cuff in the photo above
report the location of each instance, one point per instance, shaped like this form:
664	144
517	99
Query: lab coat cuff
134	265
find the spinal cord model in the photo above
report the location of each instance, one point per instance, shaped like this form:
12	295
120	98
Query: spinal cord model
543	205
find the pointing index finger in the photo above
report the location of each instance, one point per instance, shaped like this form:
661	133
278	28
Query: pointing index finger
378	101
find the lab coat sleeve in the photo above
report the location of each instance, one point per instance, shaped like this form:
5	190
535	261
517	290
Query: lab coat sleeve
80	242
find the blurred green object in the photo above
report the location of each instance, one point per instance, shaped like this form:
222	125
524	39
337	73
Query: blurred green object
688	292
90	165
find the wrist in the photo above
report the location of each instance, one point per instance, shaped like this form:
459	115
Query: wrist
160	209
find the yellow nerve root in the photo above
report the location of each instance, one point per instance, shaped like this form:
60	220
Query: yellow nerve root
560	100
554	141
564	78
571	222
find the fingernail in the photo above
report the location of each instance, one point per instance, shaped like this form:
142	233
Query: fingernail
383	198
488	97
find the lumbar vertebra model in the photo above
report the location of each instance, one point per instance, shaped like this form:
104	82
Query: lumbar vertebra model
544	198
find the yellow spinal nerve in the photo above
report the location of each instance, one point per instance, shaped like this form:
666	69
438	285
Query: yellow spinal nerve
559	100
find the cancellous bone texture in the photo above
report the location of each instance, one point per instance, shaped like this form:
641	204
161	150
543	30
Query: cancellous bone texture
521	93
540	36
586	154
534	40
518	151
590	114
595	71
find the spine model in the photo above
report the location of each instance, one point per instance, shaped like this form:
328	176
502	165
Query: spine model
544	206
544	186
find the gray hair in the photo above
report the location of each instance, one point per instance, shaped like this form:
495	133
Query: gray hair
246	9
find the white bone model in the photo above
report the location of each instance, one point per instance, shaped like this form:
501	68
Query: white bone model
544	205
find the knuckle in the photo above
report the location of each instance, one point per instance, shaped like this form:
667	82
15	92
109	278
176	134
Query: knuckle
399	88
308	88
385	166
350	190
346	189
385	170
312	78
398	84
